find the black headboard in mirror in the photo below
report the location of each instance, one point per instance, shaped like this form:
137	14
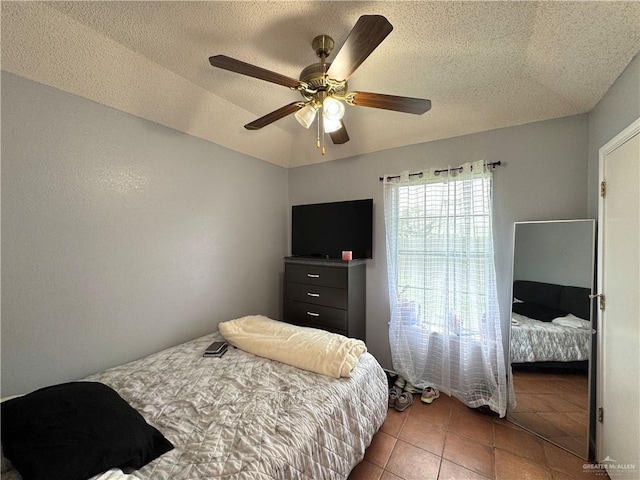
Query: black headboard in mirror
573	300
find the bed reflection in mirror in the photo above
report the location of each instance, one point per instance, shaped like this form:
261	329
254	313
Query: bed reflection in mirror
551	330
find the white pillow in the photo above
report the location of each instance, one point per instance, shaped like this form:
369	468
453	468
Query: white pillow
572	321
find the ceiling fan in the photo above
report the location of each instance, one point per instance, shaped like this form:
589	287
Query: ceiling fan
324	85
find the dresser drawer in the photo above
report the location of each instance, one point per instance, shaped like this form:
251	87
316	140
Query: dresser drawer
307	314
317	275
316	294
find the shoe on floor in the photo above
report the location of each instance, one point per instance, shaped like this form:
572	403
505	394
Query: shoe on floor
429	394
400	382
393	395
403	400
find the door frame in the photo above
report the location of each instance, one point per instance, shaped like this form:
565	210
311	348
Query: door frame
629	132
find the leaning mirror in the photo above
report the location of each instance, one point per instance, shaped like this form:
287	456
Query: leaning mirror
551	330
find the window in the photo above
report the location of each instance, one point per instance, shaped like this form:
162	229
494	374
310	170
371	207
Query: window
445	324
442	233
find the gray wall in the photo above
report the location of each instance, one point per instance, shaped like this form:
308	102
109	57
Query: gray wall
121	237
617	110
555	252
543	177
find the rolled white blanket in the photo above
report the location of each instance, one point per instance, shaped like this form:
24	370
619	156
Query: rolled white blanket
307	348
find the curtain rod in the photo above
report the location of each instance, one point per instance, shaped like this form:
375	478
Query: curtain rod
419	174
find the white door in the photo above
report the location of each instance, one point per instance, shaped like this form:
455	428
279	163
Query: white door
618	446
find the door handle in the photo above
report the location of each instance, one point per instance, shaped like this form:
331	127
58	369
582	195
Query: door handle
601	297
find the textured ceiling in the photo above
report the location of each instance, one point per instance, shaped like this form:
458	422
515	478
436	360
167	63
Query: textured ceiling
484	65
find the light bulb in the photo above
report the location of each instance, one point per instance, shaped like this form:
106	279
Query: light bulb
331	126
332	109
306	115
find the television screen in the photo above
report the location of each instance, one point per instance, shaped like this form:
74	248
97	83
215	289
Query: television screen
325	230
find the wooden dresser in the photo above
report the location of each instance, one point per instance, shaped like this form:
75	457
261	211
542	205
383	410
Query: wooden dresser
326	294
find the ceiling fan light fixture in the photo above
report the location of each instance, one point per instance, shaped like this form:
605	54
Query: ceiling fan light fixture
324	85
332	109
306	115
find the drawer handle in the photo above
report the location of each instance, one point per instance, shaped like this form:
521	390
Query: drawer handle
313	275
313	314
313	294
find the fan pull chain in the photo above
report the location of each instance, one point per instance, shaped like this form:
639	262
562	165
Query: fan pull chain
318	122
321	118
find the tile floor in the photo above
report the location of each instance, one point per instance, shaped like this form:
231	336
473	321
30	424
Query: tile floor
447	440
555	405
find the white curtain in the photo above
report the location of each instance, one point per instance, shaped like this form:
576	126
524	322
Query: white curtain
445	323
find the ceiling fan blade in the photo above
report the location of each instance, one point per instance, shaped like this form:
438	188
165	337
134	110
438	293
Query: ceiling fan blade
368	32
275	115
340	136
417	106
237	66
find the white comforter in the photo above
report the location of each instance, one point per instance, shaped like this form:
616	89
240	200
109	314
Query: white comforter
536	341
247	417
303	347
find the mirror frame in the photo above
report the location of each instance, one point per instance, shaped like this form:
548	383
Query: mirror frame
588	449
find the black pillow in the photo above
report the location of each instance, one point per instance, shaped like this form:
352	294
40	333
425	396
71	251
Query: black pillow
537	312
74	431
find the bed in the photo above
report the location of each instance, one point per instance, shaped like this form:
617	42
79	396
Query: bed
550	325
242	416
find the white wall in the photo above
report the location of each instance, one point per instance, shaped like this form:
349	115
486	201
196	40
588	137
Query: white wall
543	177
121	237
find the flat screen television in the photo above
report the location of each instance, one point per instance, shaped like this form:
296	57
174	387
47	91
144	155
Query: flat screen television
325	230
